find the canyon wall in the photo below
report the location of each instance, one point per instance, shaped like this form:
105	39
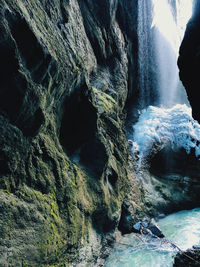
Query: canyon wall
67	173
189	60
68	67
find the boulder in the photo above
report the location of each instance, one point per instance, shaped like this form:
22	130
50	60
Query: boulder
189	258
148	227
154	228
189	61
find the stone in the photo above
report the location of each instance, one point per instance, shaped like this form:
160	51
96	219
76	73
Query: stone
64	163
189	61
188	258
67	180
196	247
155	229
137	226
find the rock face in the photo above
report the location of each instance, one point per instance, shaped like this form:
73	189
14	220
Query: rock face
67	180
189	61
67	70
170	180
189	258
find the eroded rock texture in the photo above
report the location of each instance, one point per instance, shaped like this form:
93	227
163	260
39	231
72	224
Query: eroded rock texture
190	258
189	61
66	71
172	180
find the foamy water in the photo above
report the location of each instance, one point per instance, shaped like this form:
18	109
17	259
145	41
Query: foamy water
174	126
182	228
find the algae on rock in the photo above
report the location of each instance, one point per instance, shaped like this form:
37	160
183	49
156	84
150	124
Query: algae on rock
63	150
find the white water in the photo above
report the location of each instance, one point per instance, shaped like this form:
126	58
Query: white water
172	28
173	127
169	29
170	122
182	228
160	33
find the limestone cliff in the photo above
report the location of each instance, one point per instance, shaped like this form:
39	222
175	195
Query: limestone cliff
189	60
68	67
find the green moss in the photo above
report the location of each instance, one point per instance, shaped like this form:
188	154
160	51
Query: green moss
74	175
12	203
54	211
63	169
62	216
8	229
104	102
51	240
21	195
6	191
5	184
59	265
24	263
52	226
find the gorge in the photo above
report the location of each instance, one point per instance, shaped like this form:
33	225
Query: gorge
97	132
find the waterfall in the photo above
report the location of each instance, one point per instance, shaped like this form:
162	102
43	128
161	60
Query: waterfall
159	37
165	114
144	53
168	27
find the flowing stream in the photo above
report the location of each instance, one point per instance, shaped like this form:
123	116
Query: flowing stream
164	107
166	120
133	250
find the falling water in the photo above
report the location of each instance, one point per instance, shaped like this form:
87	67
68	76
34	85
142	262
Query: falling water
168	122
159	37
144	52
168	25
161	26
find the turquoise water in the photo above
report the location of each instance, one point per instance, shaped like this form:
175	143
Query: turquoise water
134	250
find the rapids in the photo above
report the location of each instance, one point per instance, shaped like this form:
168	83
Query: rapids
133	250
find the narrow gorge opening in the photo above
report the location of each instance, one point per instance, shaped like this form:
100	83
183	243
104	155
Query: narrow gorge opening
164	127
161	26
98	137
164	137
165	115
